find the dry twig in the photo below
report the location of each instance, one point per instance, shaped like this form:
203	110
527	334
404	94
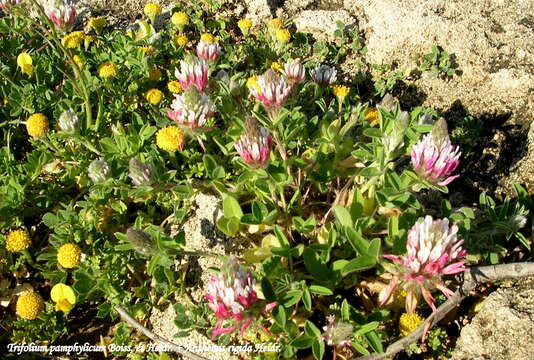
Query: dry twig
171	346
475	275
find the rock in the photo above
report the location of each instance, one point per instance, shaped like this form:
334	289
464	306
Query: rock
503	329
492	43
522	172
322	23
259	11
163	325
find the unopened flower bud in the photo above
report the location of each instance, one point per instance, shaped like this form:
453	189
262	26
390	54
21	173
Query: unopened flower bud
68	121
98	170
141	173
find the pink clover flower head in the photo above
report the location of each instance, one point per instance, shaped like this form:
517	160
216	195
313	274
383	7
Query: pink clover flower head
294	71
337	333
324	75
433	250
232	298
6	4
434	158
208	51
192	108
193	71
272	90
255	144
61	13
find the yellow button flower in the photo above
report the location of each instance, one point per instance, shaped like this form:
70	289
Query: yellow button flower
79	61
148	50
276	24
37	125
252	83
276	66
107	70
29	305
174	87
17	240
69	255
207	38
244	25
341	91
152	9
170	138
408	322
180	40
283	35
154	74
64	297
24	62
73	40
180	18
371	116
97	23
154	96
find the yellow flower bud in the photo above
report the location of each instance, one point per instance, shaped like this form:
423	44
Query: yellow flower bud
180	40
64	297
24	62
341	91
174	87
408	322
283	35
208	38
276	24
180	19
152	9
107	70
73	40
371	116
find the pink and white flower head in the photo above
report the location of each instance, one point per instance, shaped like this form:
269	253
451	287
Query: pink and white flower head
6	4
272	90
61	13
255	144
193	71
294	71
324	75
433	250
208	51
434	158
192	108
232	298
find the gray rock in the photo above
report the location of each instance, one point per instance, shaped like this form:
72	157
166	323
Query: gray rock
322	23
492	42
504	327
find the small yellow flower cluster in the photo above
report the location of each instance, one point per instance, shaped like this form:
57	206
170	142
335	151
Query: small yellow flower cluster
29	305
371	116
276	24
341	91
69	255
17	240
180	40
408	322
207	38
152	9
107	70
244	25
283	35
174	87
37	125
148	50
180	19
97	23
154	74
73	40
154	96
276	66
24	62
170	138
79	61
252	83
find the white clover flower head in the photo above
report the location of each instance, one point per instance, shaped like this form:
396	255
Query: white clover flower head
68	121
294	71
433	250
98	170
191	108
324	75
61	13
272	90
337	333
255	144
193	71
208	51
